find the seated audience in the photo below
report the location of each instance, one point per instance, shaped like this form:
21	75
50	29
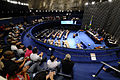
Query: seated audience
34	56
28	51
13	45
14	73
67	64
1	63
20	49
43	75
8	55
52	62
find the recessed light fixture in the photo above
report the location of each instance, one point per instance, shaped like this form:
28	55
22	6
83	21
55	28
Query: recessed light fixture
86	3
93	2
109	0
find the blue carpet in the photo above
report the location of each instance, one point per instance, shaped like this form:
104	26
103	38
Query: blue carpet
82	36
84	71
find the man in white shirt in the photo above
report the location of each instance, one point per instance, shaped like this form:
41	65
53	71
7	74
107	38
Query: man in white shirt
13	45
20	49
34	56
52	62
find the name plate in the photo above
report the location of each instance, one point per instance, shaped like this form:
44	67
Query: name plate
93	56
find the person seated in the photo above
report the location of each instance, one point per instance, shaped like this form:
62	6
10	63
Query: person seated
53	63
13	45
37	67
67	64
14	73
44	75
8	55
20	50
28	51
74	35
34	56
1	63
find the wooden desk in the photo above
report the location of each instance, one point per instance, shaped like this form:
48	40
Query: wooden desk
79	46
94	37
59	44
45	40
61	34
50	34
66	43
53	36
42	32
67	32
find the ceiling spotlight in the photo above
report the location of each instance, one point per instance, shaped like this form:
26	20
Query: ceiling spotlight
36	10
86	3
26	4
8	0
93	2
22	3
19	2
67	10
100	0
109	0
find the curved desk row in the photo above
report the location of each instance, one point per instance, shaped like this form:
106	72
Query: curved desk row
94	37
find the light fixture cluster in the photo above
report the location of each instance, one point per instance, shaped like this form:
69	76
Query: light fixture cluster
109	0
94	2
37	10
17	2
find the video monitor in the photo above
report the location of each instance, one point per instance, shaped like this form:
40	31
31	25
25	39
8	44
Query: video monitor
67	22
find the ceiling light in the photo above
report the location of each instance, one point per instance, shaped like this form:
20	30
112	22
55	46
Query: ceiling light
109	0
39	10
26	4
67	10
30	10
19	3
100	0
36	10
22	3
14	2
86	3
93	2
8	0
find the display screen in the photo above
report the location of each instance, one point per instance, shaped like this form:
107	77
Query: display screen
67	22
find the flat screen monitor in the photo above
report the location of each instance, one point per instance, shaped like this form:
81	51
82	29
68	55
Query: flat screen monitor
67	22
